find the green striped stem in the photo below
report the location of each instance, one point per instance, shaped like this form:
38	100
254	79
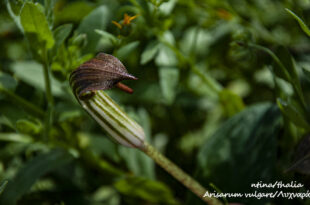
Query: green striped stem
127	132
179	174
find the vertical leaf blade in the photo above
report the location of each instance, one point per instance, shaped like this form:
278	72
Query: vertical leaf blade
242	150
97	19
31	172
303	26
169	78
34	23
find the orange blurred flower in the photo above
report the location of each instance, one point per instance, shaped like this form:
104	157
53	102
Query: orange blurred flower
117	24
126	21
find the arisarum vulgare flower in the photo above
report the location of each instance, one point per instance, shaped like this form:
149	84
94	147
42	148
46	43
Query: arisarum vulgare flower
101	73
88	83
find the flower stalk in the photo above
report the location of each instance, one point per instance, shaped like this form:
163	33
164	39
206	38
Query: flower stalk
178	174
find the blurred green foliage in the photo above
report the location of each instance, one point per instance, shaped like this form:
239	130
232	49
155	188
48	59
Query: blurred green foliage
223	91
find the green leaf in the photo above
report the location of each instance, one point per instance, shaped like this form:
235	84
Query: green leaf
148	190
301	162
287	60
102	146
10	115
137	162
73	12
303	26
61	33
15	137
242	151
28	127
169	78
3	185
36	26
166	57
106	195
7	82
196	40
6	121
167	7
143	6
107	35
49	11
231	102
280	69
31	172
126	50
306	72
150	52
14	8
32	73
292	113
97	19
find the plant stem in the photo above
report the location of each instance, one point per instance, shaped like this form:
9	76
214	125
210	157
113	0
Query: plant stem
48	90
296	85
274	57
178	174
100	164
24	103
211	83
49	96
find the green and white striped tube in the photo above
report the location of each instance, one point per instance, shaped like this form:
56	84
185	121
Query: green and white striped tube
114	120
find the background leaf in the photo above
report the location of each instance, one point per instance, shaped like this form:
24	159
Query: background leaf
7	82
32	73
61	33
2	186
301	162
169	77
231	102
303	26
97	19
36	26
293	113
144	189
124	52
306	72
241	151
31	172
149	53
49	6
15	137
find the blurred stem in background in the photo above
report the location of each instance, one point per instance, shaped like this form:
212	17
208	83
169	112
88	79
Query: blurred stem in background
22	102
49	96
210	82
296	85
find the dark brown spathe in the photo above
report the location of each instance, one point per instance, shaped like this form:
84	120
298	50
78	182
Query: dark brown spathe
100	73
